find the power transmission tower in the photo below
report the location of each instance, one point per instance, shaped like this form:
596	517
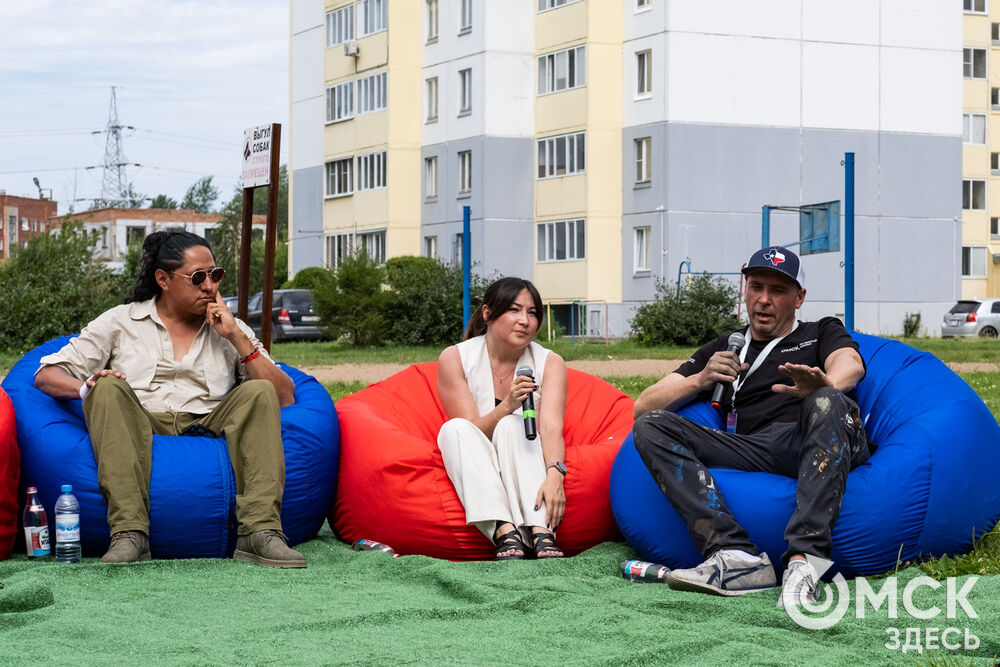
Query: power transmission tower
115	186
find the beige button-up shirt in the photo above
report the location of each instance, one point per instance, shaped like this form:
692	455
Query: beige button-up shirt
132	339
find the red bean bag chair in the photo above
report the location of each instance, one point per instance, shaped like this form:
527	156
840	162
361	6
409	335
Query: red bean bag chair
10	465
393	487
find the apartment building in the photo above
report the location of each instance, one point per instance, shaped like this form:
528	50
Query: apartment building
603	145
21	218
980	149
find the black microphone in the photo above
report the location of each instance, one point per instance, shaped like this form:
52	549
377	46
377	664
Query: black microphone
528	407
736	342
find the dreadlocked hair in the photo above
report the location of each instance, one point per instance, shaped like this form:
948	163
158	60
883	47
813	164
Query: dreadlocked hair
161	250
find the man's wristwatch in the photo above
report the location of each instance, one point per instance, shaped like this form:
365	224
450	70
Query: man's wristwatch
558	465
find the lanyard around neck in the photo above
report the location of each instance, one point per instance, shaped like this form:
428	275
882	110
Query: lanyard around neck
737	383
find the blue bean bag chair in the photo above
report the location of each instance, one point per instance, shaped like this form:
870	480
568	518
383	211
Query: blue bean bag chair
930	488
192	494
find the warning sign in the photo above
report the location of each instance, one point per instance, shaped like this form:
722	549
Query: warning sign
256	156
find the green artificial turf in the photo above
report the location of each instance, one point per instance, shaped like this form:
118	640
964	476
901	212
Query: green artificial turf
368	608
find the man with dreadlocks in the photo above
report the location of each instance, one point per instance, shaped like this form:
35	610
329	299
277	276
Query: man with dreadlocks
172	360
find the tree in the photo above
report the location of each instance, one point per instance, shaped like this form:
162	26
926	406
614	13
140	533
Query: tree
200	196
163	201
701	310
355	304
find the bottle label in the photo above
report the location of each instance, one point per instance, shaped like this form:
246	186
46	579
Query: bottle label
36	538
67	528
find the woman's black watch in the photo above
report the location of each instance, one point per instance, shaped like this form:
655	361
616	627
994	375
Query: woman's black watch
558	465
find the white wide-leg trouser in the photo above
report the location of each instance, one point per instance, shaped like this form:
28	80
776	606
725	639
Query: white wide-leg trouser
496	481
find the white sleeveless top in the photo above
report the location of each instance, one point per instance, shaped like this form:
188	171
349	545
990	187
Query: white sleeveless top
479	374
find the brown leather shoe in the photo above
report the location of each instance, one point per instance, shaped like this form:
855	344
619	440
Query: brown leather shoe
128	546
267	548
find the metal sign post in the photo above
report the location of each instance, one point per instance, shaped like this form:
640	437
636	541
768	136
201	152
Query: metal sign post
261	148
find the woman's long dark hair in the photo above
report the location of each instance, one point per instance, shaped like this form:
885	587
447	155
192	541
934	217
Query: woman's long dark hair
162	250
498	297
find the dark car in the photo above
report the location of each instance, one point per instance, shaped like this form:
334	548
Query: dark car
292	315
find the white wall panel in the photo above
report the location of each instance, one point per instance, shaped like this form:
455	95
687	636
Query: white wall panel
922	24
651	110
511	23
508	94
308	110
764	18
650	20
840	86
737	80
306	14
844	21
307	132
921	91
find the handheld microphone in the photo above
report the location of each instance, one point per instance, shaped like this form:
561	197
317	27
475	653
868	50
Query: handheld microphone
736	342
528	407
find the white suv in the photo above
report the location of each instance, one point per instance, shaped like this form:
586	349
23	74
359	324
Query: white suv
972	317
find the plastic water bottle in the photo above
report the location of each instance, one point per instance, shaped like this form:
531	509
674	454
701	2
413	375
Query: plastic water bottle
68	527
36	526
643	572
372	545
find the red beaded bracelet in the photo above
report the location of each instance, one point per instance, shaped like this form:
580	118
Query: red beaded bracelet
250	357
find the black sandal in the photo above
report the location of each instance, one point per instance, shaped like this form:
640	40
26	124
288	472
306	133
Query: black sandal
508	541
544	546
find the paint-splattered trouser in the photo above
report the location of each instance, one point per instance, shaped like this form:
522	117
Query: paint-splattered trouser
819	450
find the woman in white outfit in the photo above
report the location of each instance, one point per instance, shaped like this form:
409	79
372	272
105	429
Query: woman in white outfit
511	487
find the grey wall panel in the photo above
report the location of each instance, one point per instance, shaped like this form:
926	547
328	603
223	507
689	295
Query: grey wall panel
920	175
507	178
307	221
730	168
823	175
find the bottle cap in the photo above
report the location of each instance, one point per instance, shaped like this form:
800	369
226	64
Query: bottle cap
32	489
67	488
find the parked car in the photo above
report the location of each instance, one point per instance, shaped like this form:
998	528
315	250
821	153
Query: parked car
972	317
232	302
292	315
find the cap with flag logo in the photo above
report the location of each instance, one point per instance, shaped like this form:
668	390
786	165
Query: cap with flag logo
777	258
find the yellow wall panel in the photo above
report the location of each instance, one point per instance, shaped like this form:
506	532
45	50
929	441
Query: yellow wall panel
559	27
557	113
557	198
561	281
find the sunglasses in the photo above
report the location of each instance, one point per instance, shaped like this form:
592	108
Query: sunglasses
198	277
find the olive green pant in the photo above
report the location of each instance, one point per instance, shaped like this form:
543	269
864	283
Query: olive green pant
121	432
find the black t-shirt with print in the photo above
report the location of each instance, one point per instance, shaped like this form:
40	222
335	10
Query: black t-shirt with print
757	406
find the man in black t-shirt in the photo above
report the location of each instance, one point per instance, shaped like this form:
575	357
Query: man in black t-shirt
789	408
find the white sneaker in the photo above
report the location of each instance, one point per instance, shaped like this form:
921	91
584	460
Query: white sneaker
725	573
799	585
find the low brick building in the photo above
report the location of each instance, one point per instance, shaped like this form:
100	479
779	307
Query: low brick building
21	218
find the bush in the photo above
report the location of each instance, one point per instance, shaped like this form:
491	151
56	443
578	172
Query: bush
426	300
53	287
354	303
310	278
701	311
911	325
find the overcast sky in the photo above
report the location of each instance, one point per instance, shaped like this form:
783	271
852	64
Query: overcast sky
191	76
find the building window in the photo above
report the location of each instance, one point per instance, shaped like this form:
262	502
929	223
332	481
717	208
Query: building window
995	97
465	91
562	155
339	177
431	177
464	172
338	248
372	93
465	26
640	249
373	244
432	21
340	25
135	236
340	102
973	195
560	241
13	221
974	128
995	33
552	4
1	244
973	261
432	99
562	70
995	228
974	63
24	224
995	163
431	247
644	73
643	4
371	171
643	160
373	16
456	249
974	6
